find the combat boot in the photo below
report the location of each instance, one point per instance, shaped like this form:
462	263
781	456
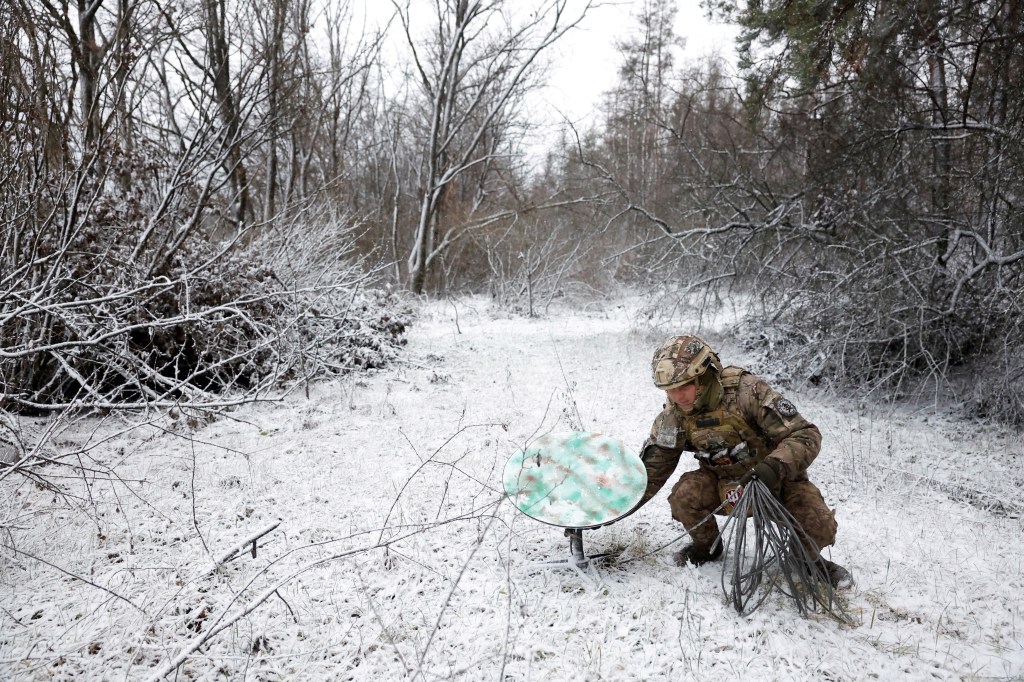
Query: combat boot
692	554
838	577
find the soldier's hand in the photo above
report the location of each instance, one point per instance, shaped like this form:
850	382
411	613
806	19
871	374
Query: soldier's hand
769	472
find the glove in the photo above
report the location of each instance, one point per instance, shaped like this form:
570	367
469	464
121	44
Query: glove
769	472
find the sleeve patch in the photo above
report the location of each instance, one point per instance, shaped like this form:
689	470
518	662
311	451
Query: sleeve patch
665	432
785	408
666	435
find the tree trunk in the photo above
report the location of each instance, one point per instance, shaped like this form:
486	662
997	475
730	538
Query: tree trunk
276	38
928	15
220	75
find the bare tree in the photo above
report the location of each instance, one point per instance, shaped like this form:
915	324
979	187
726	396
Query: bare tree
471	71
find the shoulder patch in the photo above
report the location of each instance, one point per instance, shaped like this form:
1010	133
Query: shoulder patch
666	430
784	407
666	437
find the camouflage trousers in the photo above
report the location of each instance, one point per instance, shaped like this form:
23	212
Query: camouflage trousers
695	495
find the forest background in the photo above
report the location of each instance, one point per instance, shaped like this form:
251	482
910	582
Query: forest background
208	195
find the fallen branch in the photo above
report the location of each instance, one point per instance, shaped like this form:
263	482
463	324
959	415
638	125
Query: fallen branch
238	548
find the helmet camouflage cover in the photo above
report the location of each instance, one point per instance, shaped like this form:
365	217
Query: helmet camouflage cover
682	359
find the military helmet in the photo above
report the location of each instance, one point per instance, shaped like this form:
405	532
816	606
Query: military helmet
682	359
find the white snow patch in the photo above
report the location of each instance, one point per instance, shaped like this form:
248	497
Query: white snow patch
397	558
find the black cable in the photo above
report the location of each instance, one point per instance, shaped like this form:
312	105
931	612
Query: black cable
778	554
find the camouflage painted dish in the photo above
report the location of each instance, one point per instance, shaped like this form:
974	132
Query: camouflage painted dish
575	480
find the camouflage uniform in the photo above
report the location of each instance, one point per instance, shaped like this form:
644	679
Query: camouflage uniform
741	423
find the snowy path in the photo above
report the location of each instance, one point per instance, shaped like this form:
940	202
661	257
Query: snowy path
411	458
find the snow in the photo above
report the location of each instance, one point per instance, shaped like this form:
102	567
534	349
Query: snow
397	557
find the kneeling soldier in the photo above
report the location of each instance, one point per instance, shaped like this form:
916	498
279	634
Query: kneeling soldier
738	428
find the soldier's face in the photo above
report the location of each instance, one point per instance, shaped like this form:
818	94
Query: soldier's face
683	396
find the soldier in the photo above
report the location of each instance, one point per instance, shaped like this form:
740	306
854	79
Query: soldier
738	428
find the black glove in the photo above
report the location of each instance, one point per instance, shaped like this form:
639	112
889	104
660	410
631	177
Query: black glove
769	472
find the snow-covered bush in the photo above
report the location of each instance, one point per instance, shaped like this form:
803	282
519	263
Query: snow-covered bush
122	305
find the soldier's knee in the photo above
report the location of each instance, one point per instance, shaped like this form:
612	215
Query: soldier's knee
820	524
808	507
694	492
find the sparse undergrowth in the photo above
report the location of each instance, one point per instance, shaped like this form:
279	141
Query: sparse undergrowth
129	589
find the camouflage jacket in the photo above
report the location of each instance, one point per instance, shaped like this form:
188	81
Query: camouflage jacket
751	421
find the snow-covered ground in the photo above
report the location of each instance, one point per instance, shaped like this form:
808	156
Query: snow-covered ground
396	557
